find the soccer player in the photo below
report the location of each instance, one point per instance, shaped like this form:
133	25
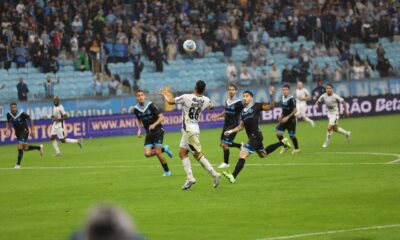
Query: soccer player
302	96
151	119
57	129
331	100
192	106
233	108
19	122
249	121
287	120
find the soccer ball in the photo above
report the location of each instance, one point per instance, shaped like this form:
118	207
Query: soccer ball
189	46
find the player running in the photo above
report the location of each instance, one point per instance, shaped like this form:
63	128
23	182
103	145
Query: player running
19	122
331	100
302	96
233	108
57	129
151	119
249	121
192	106
287	120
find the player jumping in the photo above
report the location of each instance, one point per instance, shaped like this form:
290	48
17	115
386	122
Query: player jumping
287	121
192	106
233	108
151	119
331	100
302	96
19	122
57	129
250	120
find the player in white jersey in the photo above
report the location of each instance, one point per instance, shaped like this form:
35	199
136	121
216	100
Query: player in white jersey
57	129
332	101
192	106
302	96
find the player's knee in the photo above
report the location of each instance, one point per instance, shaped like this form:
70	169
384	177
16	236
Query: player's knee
197	155
278	134
224	146
147	154
62	140
182	155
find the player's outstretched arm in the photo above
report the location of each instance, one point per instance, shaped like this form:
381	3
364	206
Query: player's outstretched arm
236	129
166	98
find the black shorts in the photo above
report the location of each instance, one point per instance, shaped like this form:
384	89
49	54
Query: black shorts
22	136
290	126
154	138
255	144
228	140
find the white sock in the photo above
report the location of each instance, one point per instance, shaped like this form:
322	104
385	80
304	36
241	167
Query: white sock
188	167
55	146
341	130
328	136
309	120
70	140
207	165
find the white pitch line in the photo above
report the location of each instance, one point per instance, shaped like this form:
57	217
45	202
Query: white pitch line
369	153
331	232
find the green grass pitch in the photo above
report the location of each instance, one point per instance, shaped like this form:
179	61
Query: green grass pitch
344	187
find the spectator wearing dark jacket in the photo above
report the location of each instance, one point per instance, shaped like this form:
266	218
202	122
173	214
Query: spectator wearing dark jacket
23	90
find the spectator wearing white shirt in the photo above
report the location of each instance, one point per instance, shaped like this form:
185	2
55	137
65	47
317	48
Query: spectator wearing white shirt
274	74
231	72
74	46
113	86
254	73
367	70
358	71
245	77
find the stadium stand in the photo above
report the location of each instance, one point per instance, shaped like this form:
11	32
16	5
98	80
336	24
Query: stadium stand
141	42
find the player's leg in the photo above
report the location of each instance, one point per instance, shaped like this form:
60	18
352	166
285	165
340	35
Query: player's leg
292	135
244	153
20	148
333	119
158	139
225	141
340	130
62	136
53	139
303	112
279	131
187	166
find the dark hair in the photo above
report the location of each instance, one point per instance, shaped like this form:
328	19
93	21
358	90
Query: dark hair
329	85
200	86
13	103
138	91
232	85
286	86
248	92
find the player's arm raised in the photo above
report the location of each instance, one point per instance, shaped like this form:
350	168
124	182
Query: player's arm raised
160	120
271	105
236	129
170	101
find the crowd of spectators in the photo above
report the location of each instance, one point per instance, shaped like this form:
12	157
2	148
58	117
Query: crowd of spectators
92	32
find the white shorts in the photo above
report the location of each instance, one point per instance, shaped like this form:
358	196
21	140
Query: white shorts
333	118
57	129
190	141
301	110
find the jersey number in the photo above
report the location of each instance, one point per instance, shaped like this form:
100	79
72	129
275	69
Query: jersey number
194	113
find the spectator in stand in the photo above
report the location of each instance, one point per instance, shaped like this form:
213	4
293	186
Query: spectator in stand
82	60
380	51
337	75
346	68
245	77
274	74
23	90
284	49
276	49
172	49
264	37
77	24
333	50
21	55
286	74
384	67
98	85
159	59
263	52
95	56
113	86
318	90
317	73
264	77
292	53
358	71
255	76
49	87
200	46
231	72
326	73
74	46
367	70
253	55
121	50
